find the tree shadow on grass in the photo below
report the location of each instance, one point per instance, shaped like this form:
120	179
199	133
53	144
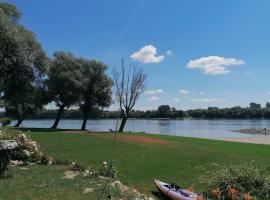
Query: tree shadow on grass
44	130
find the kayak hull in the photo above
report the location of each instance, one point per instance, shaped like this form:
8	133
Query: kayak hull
174	195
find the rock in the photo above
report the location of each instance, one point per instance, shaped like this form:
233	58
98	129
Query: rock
8	144
87	190
17	162
70	175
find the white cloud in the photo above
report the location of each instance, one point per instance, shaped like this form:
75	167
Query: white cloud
157	91
169	53
201	93
153	98
183	91
206	100
267	93
147	54
176	99
214	65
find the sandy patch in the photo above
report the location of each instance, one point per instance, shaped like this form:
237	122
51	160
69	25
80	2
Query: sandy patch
259	139
88	190
70	174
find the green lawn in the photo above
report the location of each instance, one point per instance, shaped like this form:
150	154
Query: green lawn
39	182
181	160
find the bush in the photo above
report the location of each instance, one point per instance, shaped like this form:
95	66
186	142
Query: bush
27	150
245	181
5	121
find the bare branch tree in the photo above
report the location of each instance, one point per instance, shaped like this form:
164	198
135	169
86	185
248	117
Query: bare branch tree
129	86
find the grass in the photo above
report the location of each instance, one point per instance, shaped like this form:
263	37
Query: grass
181	160
46	182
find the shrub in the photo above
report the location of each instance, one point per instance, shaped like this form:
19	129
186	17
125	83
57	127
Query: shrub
27	150
107	170
245	181
5	121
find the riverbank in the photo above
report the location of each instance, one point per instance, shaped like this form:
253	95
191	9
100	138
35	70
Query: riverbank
258	139
173	159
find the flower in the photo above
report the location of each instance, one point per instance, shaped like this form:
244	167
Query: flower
233	192
216	192
200	197
247	197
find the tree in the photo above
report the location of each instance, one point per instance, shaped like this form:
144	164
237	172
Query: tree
96	88
23	64
129	86
164	111
64	82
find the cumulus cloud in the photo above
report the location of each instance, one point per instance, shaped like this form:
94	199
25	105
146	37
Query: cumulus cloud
153	98
157	91
206	100
147	54
169	53
183	91
214	65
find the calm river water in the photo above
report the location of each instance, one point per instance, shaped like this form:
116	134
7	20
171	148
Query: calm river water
187	127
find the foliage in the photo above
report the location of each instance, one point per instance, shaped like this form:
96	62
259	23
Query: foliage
27	151
107	170
5	121
244	181
23	64
96	87
63	83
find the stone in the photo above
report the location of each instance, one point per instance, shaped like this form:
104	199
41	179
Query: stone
8	144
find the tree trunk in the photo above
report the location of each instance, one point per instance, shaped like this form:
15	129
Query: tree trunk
123	123
19	122
57	119
85	116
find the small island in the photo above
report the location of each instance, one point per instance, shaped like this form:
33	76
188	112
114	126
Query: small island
255	131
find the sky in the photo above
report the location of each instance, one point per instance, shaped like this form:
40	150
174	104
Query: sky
195	53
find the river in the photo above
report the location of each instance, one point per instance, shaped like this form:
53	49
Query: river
186	127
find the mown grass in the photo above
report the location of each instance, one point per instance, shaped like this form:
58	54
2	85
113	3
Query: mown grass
181	160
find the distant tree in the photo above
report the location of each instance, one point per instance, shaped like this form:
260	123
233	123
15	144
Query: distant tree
64	82
23	65
164	111
96	88
254	105
267	105
129	86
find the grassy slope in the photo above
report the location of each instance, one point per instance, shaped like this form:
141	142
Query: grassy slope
182	161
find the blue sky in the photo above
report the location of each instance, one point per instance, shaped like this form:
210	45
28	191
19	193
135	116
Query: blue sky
196	53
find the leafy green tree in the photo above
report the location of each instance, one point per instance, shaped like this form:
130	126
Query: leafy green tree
96	88
64	82
23	65
164	111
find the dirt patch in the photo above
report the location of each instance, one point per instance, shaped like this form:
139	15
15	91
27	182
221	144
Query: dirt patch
87	190
139	139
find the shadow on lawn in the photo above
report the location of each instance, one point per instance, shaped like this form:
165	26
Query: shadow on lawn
44	130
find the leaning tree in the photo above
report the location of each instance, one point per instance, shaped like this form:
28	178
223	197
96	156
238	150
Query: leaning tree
23	65
96	88
64	82
129	85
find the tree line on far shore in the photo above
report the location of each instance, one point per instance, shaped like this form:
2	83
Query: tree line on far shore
253	111
29	79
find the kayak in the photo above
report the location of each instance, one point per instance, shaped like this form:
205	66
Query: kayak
175	192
